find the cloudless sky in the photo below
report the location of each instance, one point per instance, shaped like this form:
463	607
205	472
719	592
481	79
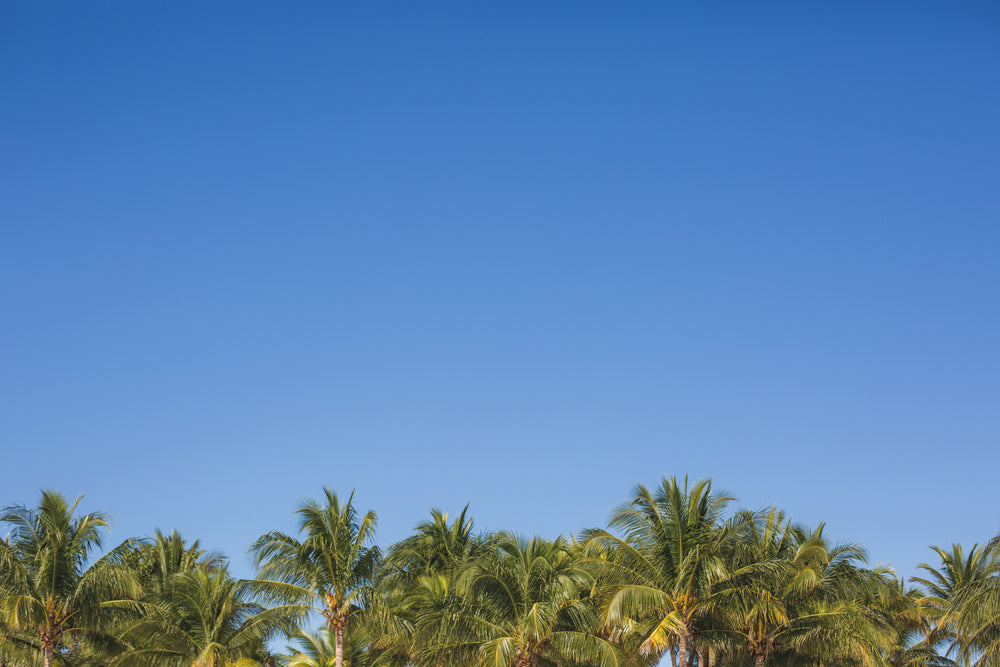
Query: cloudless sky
519	254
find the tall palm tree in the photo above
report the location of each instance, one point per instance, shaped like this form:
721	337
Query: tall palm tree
658	578
522	603
47	591
332	569
947	587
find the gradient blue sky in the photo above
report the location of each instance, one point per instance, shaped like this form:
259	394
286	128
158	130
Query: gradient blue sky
517	254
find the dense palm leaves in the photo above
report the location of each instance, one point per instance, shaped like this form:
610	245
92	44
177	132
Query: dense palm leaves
310	649
659	577
435	548
792	595
419	579
523	603
673	575
975	611
207	620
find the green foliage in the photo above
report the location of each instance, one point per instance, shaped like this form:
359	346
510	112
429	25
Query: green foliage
962	599
519	603
673	576
202	617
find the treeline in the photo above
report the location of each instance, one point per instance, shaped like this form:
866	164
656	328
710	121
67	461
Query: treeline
676	576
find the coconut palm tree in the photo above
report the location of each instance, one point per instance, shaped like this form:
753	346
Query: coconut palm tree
309	649
958	575
206	619
522	603
913	643
976	611
436	547
792	596
973	602
657	579
316	648
418	576
157	561
332	569
48	594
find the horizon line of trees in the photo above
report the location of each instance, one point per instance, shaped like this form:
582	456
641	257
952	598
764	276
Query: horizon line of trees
675	576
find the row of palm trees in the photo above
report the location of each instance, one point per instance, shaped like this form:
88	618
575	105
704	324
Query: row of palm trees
675	576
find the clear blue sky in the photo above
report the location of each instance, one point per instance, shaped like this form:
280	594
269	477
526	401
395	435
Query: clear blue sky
517	254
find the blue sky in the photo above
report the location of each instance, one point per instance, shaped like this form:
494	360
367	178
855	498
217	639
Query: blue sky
523	255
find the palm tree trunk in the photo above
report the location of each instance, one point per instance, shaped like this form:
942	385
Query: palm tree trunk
682	649
702	656
338	642
673	656
48	653
758	660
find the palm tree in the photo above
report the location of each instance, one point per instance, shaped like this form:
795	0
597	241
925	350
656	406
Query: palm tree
436	547
658	578
793	596
157	561
47	592
912	634
316	649
976	611
944	587
522	603
311	649
332	570
419	574
207	619
968	591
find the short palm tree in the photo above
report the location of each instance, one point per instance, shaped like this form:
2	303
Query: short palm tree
332	569
316	649
309	649
48	594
